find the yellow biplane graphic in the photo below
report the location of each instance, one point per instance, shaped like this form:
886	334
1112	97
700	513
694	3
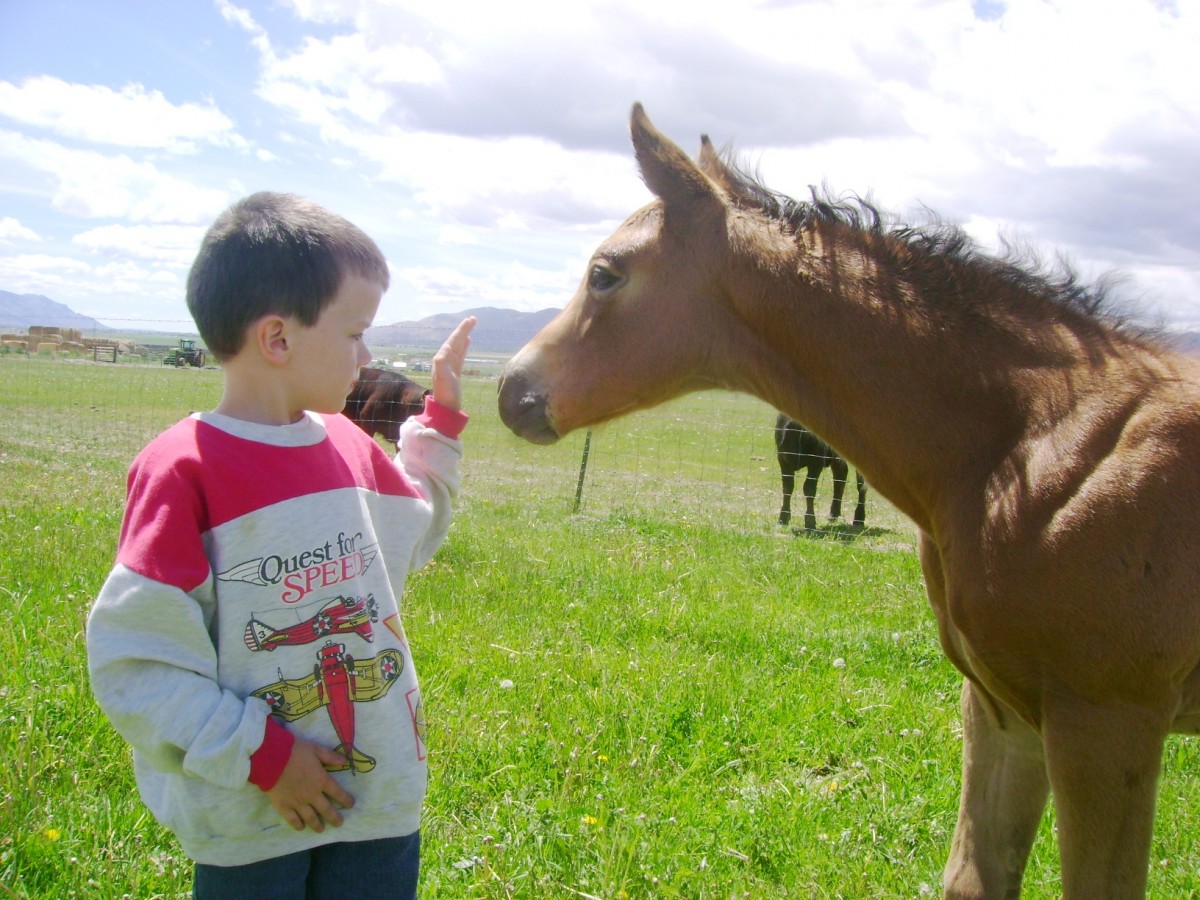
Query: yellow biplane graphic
337	683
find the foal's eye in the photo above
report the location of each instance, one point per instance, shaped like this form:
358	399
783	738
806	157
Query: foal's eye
601	278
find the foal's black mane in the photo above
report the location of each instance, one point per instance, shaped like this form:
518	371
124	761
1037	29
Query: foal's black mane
935	250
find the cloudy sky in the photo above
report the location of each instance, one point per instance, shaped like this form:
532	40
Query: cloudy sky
485	145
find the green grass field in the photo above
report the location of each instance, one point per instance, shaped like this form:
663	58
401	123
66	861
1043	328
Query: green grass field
661	694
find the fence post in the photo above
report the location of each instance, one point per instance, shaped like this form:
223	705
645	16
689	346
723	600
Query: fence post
587	446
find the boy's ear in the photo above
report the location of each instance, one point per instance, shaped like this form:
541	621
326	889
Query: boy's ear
270	337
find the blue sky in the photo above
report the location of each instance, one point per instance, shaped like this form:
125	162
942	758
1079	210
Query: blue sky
485	145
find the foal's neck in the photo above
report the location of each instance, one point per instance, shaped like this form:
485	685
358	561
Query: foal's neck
917	384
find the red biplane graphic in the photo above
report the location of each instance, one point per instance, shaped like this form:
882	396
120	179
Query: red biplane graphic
339	616
337	683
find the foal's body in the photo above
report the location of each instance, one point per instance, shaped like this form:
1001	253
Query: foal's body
796	448
1050	460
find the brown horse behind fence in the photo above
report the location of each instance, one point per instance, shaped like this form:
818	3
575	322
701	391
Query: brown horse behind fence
1049	456
381	400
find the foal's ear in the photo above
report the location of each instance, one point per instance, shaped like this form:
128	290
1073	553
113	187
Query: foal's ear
666	169
711	163
721	173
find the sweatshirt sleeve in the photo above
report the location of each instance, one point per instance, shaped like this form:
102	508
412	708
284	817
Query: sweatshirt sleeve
429	454
153	670
151	656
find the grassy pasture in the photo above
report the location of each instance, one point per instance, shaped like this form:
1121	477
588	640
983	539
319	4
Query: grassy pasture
659	695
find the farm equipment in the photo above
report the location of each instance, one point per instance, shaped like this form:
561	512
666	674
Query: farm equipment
186	354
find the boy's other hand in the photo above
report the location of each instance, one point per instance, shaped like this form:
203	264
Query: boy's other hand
448	366
306	795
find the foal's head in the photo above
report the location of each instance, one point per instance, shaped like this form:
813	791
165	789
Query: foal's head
649	312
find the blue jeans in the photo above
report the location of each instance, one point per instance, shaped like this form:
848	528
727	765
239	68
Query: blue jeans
386	869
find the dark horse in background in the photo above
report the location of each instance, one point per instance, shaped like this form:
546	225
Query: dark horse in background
1045	449
798	448
381	400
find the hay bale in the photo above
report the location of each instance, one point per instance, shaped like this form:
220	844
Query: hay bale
48	347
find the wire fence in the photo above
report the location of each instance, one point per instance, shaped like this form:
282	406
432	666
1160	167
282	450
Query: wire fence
708	457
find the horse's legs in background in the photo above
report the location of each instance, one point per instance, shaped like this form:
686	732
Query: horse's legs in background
1003	797
812	473
788	477
1104	764
860	509
841	471
787	451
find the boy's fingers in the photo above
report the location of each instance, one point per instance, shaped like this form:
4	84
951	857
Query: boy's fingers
305	816
458	340
339	795
312	819
330	757
464	327
327	812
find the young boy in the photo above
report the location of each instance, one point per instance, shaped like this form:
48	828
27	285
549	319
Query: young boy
248	643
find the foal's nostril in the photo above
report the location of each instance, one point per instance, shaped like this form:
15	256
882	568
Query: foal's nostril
524	409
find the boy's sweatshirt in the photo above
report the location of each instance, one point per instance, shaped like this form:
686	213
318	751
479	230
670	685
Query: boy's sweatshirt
258	572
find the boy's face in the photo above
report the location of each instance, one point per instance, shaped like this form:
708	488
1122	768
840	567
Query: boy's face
326	357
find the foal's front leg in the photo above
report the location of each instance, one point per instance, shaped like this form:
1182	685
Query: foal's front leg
1104	764
1003	797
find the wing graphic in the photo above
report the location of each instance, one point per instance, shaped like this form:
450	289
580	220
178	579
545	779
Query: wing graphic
248	572
292	698
374	677
370	679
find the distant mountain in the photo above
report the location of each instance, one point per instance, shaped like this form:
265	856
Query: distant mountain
19	311
497	331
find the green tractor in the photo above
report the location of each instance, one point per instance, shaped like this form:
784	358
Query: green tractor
186	354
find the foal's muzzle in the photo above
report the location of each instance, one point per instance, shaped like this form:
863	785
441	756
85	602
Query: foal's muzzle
524	409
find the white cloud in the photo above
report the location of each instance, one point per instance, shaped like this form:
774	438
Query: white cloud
146	293
131	116
12	230
174	245
1062	84
515	286
42	273
88	184
448	234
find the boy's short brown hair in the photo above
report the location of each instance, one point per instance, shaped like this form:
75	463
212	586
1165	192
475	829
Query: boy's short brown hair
274	254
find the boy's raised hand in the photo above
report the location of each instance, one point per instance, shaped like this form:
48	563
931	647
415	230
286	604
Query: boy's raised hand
448	366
